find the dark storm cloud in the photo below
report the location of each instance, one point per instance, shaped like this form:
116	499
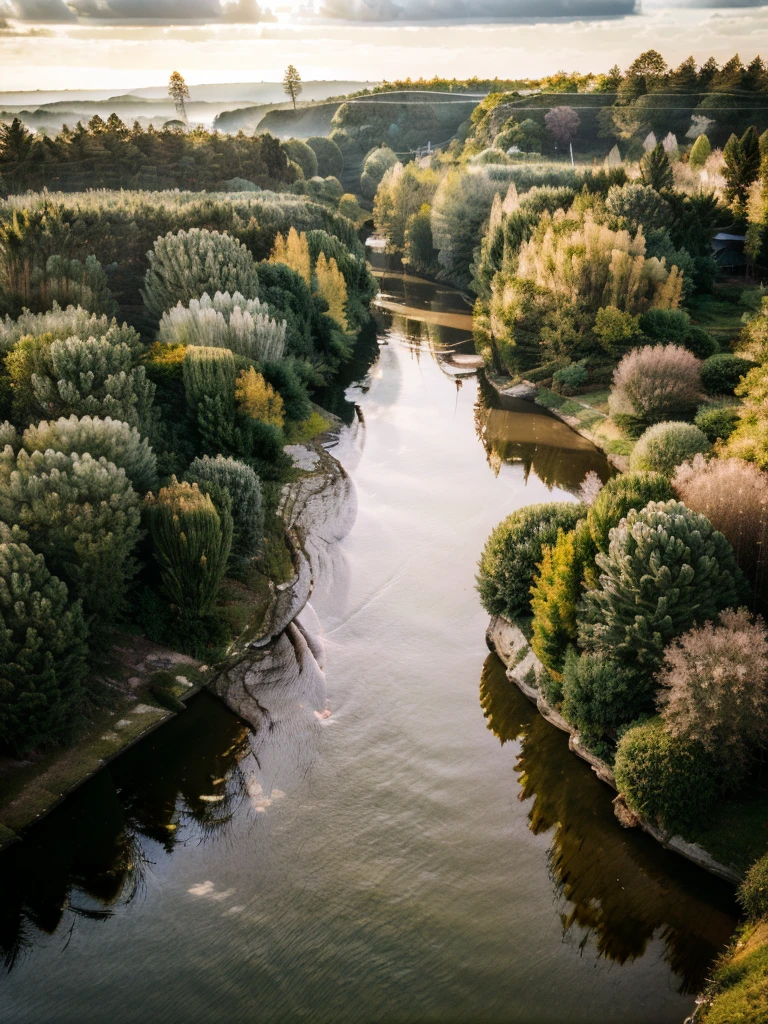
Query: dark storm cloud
430	11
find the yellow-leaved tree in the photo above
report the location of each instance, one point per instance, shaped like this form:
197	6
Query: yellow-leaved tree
293	251
333	288
258	399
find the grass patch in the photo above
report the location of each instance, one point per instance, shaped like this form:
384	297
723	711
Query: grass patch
618	446
571	407
738	992
736	831
549	399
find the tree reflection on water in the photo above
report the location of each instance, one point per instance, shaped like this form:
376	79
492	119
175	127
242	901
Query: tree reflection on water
88	858
617	890
543	444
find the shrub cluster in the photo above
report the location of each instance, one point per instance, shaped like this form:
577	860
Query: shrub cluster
656	383
508	564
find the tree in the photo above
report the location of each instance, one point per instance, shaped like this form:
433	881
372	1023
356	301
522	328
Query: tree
43	651
292	84
192	544
333	288
655	169
563	123
189	264
226	321
83	516
666	570
617	499
258	399
665	446
742	166
700	151
179	93
293	251
655	383
715	686
514	550
219	477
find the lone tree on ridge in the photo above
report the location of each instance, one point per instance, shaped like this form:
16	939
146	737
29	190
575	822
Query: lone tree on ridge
178	91
292	83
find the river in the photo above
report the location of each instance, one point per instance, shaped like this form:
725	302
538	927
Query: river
404	839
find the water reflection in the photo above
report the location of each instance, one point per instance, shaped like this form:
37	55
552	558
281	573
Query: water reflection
88	857
543	444
617	890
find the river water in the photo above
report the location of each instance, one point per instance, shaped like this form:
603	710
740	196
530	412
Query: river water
403	839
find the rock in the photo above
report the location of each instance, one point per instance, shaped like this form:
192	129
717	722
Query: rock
522	390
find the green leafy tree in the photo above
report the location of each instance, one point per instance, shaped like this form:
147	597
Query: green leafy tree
619	496
303	155
742	166
83	516
192	544
243	490
700	151
117	442
666	569
668	782
513	551
655	170
330	160
556	592
665	446
189	264
292	84
43	651
599	695
81	377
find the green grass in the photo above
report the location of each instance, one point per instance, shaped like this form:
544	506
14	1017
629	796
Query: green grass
736	831
722	312
307	430
738	992
549	399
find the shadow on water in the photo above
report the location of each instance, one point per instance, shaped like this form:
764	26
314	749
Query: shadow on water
88	856
616	889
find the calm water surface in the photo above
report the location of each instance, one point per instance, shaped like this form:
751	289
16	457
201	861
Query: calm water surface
429	851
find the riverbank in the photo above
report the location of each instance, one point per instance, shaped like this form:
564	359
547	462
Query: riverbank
148	684
586	414
524	669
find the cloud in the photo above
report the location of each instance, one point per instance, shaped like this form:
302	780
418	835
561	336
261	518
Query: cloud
135	12
443	11
52	11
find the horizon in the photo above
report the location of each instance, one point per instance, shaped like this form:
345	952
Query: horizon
67	51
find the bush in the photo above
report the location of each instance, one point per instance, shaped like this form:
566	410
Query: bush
699	341
83	516
257	399
666	781
330	160
80	377
555	595
245	500
192	544
569	379
664	446
717	424
700	151
43	652
193	263
715	688
599	695
72	322
303	155
226	321
733	495
637	206
514	549
376	166
619	496
721	374
656	382
753	891
666	570
615	329
113	440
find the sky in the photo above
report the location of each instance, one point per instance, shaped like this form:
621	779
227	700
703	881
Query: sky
123	44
